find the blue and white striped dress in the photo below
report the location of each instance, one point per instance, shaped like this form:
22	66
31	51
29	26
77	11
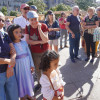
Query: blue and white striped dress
22	69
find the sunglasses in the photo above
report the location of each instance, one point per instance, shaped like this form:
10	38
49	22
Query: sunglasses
2	20
26	8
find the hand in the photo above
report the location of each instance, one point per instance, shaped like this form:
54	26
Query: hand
50	29
73	35
32	69
39	26
42	42
9	72
11	62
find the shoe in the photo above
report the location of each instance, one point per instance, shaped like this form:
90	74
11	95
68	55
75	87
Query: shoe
37	88
73	60
78	58
87	59
92	60
66	46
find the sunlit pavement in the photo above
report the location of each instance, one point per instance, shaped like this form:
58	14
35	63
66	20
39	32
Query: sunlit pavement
82	78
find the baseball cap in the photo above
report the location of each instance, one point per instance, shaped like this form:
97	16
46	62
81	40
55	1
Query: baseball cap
50	12
24	5
33	7
32	14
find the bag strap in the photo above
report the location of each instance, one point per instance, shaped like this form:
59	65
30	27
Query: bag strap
29	30
51	84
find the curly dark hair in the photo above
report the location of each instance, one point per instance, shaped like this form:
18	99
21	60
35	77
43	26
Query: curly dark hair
47	57
10	30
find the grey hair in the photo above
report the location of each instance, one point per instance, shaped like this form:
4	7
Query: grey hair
98	8
75	8
47	18
1	14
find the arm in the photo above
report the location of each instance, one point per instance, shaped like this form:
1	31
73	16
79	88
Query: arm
67	27
54	29
31	42
4	61
43	35
89	26
12	51
30	56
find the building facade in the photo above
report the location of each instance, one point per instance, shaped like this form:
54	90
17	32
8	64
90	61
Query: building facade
52	3
12	4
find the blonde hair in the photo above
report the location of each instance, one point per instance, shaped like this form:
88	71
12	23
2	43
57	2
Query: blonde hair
91	9
47	18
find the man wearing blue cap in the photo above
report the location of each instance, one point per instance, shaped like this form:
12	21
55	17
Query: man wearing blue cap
37	38
33	8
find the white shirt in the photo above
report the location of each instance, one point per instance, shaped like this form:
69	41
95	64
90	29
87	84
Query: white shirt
21	21
47	90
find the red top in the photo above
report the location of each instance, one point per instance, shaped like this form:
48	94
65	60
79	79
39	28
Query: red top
62	26
34	33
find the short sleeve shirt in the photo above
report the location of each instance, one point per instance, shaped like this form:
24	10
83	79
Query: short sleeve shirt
35	36
4	49
91	21
62	26
54	25
21	21
74	23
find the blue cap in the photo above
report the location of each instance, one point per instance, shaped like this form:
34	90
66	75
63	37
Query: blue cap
33	7
32	14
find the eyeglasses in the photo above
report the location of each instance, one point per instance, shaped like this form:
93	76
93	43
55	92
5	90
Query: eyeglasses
2	20
26	8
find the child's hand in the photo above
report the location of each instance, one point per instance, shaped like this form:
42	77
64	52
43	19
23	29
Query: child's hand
9	72
32	69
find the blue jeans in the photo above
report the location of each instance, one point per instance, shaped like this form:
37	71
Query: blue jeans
8	87
74	45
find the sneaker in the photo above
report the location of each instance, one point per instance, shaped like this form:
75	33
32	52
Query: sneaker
37	88
87	59
73	60
92	60
78	58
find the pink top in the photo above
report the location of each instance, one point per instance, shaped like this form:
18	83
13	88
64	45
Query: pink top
62	26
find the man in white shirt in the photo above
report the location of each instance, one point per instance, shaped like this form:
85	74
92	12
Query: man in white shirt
22	20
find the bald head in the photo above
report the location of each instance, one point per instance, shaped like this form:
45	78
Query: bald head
75	10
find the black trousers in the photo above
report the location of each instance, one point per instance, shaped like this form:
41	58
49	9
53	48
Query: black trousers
89	43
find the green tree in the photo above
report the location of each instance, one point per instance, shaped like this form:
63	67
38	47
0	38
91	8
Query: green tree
84	4
39	3
61	7
4	10
13	13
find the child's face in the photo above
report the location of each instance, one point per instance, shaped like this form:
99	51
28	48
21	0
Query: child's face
17	34
54	64
33	21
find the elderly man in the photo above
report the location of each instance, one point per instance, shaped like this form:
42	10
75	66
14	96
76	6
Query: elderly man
8	84
73	26
22	20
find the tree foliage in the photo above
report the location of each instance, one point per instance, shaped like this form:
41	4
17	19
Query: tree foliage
4	10
39	3
13	13
84	4
61	7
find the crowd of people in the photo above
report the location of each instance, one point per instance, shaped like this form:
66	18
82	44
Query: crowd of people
28	46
